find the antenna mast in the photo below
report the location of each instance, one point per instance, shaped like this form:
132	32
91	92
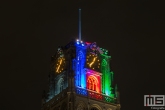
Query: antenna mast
79	24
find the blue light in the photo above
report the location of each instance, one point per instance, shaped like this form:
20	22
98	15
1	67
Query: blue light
80	80
82	44
107	93
83	80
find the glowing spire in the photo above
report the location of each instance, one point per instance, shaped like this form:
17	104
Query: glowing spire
79	24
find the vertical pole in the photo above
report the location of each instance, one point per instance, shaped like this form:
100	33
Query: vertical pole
79	24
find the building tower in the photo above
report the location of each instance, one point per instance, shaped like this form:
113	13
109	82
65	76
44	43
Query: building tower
81	79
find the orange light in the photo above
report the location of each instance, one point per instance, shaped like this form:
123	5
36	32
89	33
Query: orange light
59	65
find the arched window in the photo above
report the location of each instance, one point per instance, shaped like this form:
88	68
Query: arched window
80	59
94	108
104	62
60	84
91	83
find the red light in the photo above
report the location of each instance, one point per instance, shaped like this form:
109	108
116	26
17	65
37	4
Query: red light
87	42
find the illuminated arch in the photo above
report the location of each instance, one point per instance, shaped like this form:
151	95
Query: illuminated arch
104	71
104	62
92	83
60	84
80	58
80	54
80	77
95	107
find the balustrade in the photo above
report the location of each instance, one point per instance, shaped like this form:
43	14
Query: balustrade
94	95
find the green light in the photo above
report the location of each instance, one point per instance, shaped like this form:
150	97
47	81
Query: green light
106	75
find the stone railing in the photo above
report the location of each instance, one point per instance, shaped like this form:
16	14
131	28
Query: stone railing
94	95
57	98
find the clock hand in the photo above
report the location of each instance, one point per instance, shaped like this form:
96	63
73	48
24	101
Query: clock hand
92	62
59	65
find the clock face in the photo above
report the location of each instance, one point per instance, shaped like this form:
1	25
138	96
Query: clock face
93	61
60	64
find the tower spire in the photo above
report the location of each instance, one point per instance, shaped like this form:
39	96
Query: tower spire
79	24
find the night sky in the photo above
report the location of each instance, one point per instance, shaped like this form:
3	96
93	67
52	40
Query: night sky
31	31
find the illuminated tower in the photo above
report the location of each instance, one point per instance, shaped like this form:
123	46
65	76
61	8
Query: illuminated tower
81	79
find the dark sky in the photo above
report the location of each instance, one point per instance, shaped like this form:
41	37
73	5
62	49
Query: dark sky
31	31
